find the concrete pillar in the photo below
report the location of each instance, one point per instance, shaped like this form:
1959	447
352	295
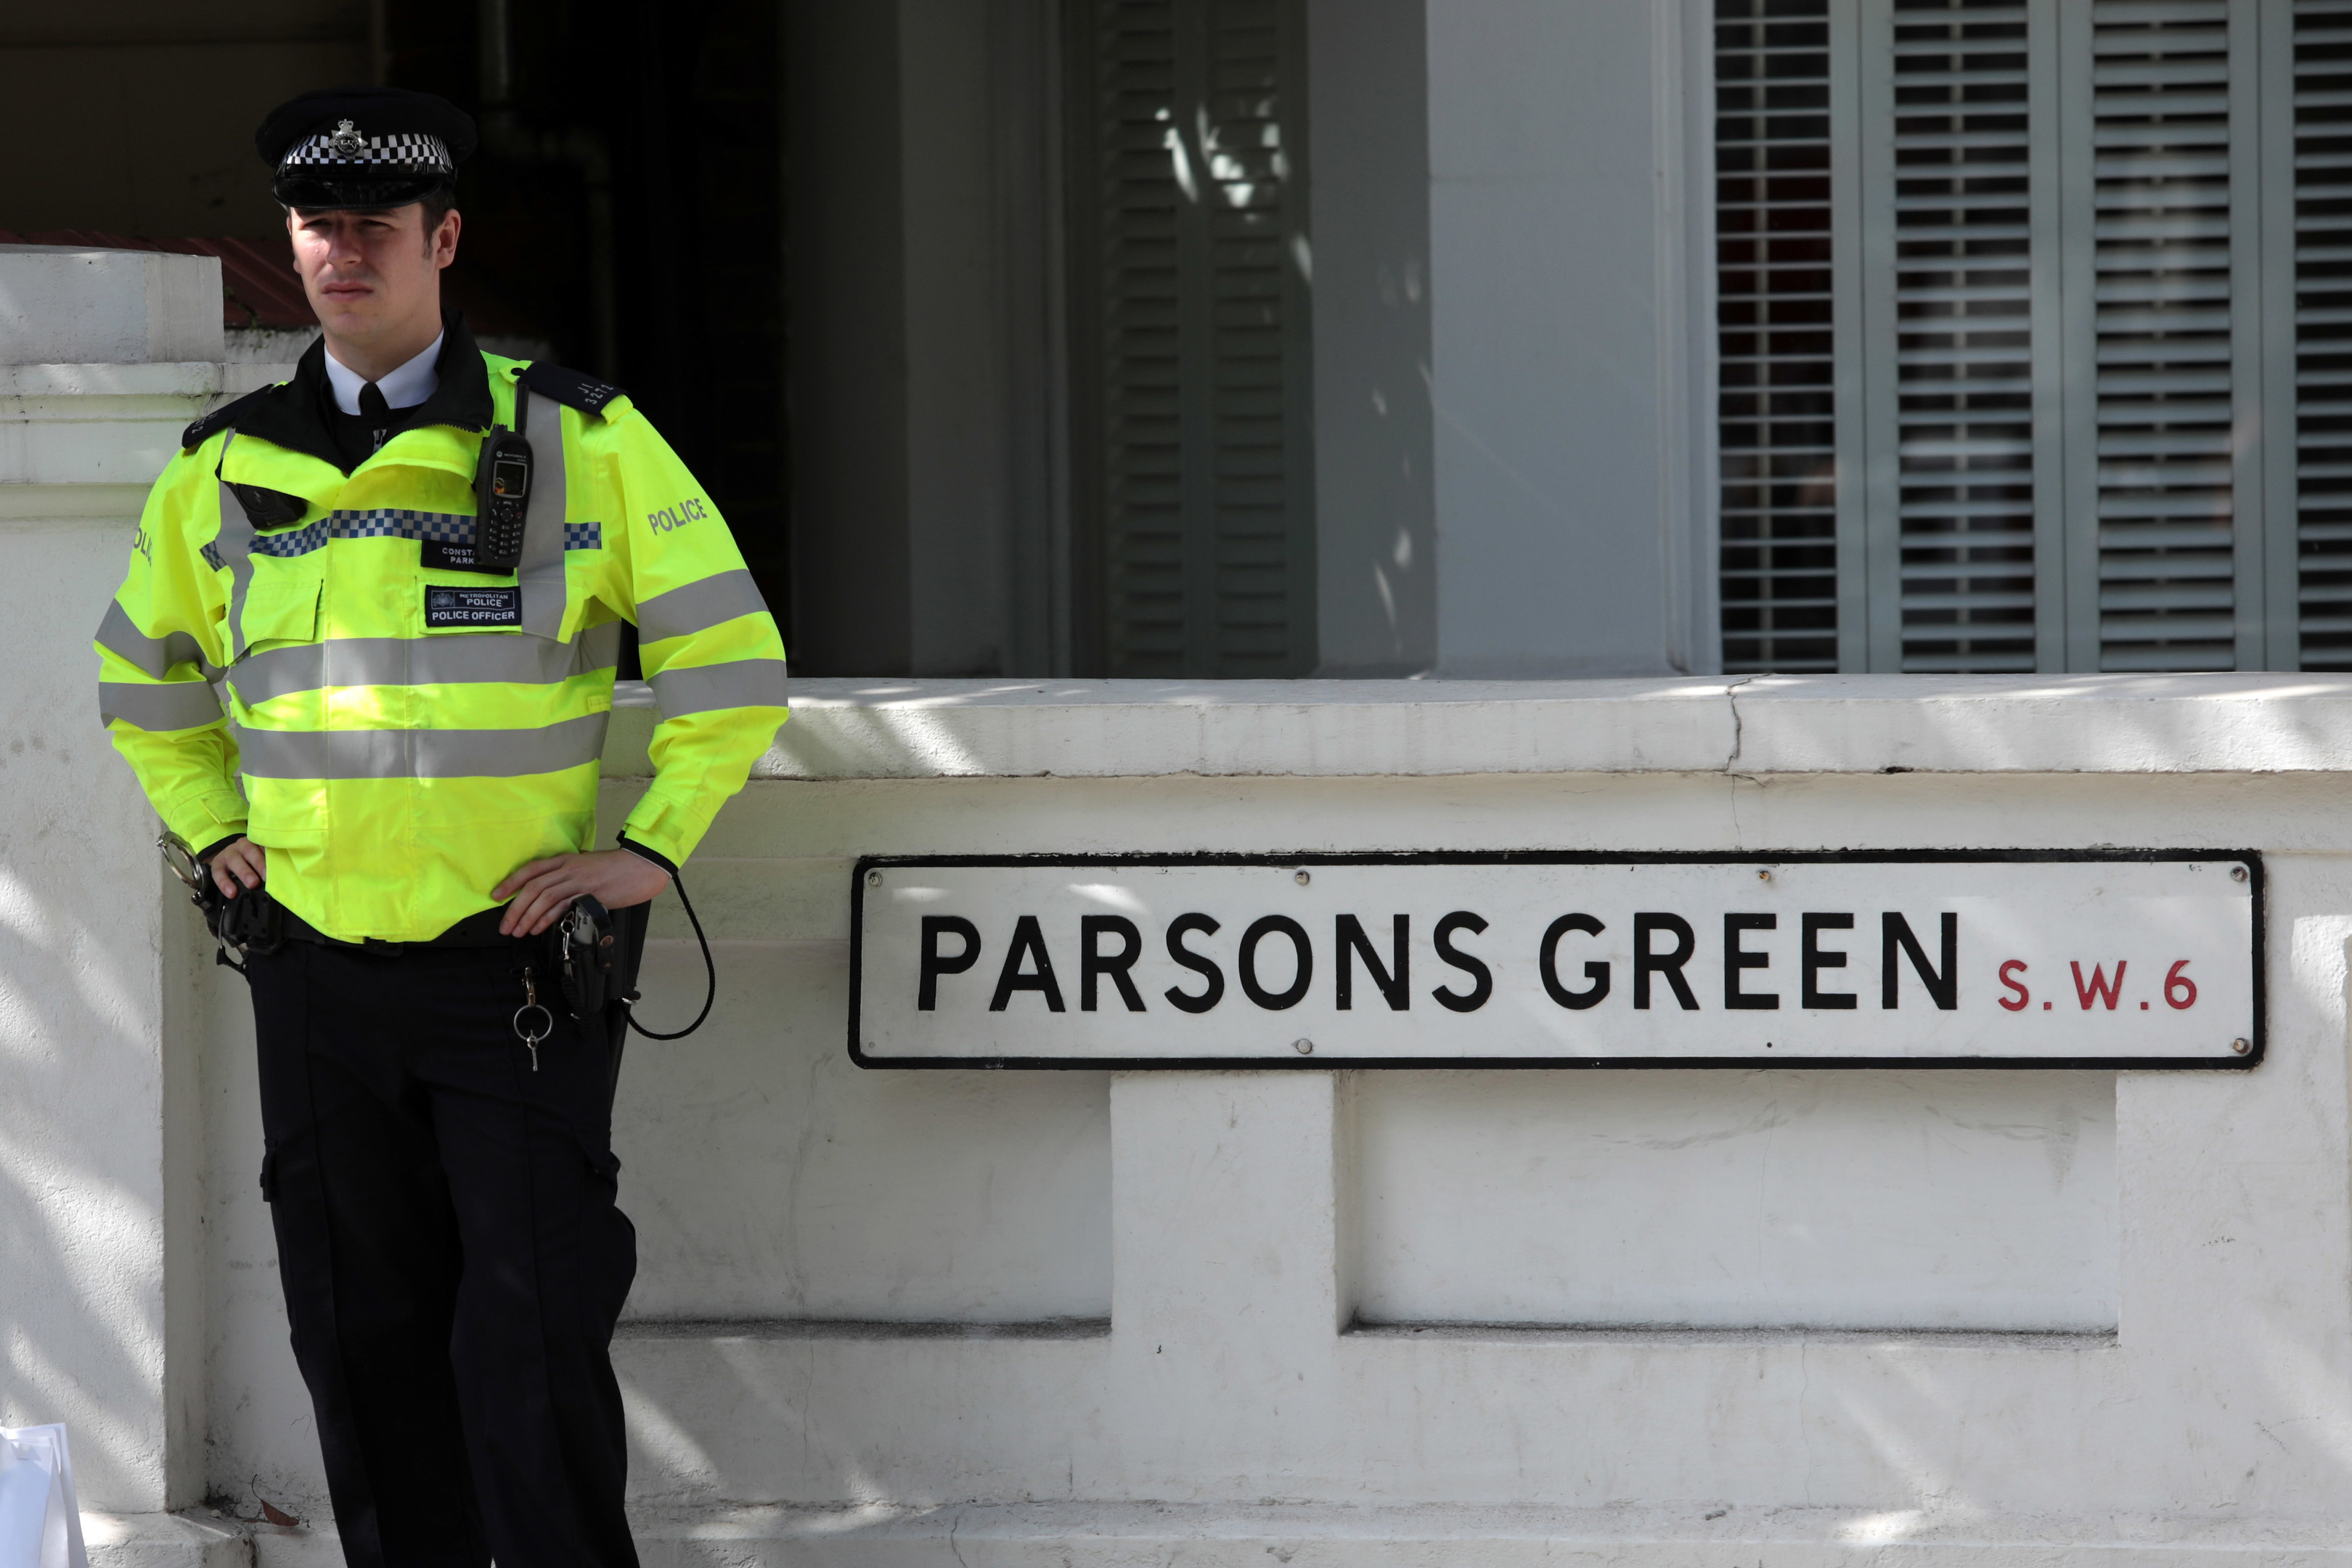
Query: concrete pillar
1225	1287
1570	427
104	355
1375	541
929	534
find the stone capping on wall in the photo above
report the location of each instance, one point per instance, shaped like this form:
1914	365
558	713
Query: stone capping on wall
73	303
907	729
86	440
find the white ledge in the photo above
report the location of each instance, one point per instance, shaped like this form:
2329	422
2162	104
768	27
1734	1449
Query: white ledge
107	428
847	728
1244	1535
167	378
1165	1534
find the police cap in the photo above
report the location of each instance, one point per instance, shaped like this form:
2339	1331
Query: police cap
357	148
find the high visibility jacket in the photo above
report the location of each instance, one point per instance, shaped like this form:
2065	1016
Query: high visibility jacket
402	746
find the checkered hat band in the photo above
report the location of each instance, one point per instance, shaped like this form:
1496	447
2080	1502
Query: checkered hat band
446	527
406	154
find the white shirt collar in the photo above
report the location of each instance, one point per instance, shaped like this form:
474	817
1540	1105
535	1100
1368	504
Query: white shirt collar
406	387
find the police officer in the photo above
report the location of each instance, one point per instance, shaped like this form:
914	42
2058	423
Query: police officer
405	571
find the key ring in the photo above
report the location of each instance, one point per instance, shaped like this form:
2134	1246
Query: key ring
531	1004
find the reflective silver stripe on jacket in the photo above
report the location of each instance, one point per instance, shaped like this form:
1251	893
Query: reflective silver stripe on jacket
420	753
174	705
461	658
708	688
154	656
234	546
600	647
713	601
541	571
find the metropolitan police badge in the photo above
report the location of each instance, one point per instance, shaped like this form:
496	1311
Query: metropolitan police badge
346	139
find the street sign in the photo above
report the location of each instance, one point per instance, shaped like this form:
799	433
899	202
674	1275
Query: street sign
2125	958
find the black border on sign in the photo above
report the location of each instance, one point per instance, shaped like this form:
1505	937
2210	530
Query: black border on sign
2250	858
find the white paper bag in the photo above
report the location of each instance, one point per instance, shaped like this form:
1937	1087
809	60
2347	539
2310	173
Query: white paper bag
40	1526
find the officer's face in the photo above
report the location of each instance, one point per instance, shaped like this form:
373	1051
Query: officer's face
371	275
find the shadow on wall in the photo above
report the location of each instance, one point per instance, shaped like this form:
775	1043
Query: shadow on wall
84	1318
83	1118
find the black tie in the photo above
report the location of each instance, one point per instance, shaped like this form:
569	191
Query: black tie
376	411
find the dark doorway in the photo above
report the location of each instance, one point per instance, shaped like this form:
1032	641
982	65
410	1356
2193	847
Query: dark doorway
628	204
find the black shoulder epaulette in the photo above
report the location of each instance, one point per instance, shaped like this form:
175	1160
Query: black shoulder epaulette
568	387
219	419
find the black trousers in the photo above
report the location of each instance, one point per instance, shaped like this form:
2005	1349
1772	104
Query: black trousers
451	1253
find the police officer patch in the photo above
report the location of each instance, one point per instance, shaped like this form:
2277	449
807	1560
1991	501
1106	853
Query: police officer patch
460	608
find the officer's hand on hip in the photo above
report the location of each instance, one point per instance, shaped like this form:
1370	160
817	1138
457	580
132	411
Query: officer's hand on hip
240	863
543	889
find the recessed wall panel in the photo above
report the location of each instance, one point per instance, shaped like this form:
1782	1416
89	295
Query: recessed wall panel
1933	1200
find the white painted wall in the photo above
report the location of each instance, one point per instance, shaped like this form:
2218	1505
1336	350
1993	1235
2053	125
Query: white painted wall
1685	1318
1681	1317
1461	1318
104	355
1569	532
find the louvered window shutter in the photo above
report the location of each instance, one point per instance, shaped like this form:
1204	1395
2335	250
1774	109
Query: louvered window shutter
1776	290
2052	366
2165	571
1190	277
2322	288
1950	335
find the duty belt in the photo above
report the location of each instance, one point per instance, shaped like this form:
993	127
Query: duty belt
478	930
592	951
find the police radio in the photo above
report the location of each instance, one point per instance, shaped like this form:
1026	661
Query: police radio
502	494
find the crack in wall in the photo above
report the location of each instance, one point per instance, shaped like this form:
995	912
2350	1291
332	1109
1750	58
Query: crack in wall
1738	725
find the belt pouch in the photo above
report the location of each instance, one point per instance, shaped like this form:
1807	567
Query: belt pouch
586	954
252	922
